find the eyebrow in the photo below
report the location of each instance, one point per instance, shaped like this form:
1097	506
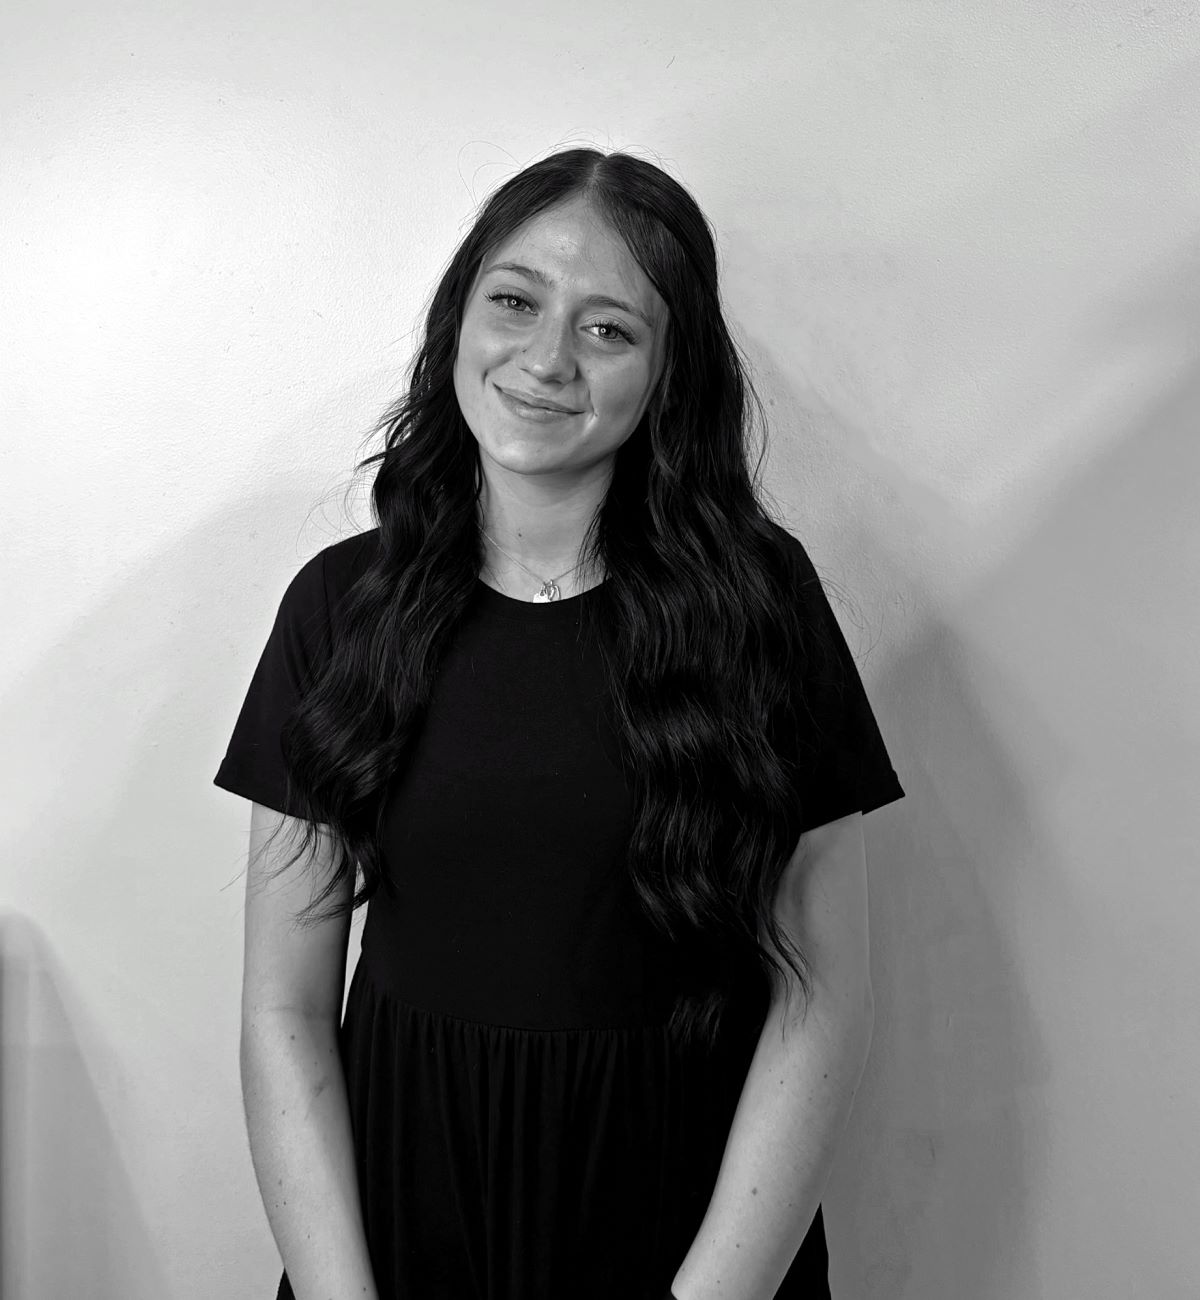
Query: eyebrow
592	300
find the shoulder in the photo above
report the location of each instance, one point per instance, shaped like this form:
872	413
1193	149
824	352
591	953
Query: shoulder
344	562
334	569
317	587
827	652
798	566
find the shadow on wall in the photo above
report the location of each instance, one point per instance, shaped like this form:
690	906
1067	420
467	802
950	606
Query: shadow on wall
1040	743
125	1173
931	1195
69	1221
930	1192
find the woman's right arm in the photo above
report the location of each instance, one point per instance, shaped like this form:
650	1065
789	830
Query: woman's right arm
293	1084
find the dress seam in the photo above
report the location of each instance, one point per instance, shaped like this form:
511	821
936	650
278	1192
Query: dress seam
391	996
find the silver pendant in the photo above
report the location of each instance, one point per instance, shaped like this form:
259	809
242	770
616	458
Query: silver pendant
549	591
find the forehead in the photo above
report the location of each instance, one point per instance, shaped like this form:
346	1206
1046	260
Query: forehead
577	250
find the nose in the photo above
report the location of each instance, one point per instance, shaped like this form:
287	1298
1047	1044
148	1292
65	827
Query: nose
549	355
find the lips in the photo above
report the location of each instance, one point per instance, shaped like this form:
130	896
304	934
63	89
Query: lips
538	403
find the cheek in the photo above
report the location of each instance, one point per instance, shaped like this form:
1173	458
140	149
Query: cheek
473	341
469	370
459	370
621	394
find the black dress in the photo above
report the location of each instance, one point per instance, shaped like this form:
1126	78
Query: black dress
524	1125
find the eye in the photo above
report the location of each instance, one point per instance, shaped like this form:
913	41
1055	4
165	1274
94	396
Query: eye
617	329
501	296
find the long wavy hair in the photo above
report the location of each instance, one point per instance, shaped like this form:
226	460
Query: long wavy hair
702	645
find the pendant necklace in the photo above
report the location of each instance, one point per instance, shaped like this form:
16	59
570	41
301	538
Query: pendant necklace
549	588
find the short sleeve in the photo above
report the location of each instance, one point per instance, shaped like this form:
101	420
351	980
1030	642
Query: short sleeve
845	766
296	650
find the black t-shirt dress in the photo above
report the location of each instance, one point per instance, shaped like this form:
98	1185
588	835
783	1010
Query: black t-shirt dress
524	1125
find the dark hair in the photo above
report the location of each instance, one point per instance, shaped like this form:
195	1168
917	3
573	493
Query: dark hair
697	621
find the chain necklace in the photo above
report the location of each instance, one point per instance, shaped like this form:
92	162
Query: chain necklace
549	588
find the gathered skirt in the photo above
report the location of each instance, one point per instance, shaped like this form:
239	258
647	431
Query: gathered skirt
505	1163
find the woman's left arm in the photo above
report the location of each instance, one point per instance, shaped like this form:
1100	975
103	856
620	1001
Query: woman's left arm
800	1086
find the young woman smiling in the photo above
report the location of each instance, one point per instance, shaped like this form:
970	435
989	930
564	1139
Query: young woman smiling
577	724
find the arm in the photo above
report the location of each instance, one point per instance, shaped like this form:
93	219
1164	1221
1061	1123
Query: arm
801	1082
294	1089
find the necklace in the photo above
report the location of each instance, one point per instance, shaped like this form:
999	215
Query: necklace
549	588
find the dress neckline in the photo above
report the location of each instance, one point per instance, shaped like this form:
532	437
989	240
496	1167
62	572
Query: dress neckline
513	606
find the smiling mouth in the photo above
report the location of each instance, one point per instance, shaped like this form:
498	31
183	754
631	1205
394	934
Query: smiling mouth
532	405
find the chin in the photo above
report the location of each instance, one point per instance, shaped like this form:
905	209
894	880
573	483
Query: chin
525	457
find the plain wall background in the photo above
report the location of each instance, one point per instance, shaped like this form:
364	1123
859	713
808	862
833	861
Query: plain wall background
960	249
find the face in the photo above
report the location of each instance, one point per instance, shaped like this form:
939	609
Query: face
561	315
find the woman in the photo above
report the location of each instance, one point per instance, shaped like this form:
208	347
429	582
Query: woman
576	718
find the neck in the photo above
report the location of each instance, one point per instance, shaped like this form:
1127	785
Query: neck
542	525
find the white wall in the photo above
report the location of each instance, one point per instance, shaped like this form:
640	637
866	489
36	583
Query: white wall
960	248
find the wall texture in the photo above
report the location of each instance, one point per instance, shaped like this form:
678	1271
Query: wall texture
960	246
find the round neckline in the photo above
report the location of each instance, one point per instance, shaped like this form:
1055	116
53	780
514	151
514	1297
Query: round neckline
505	603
